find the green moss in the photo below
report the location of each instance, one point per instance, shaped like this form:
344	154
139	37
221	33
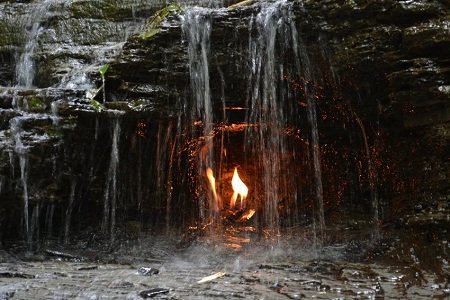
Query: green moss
97	106
153	26
106	9
53	132
36	105
12	32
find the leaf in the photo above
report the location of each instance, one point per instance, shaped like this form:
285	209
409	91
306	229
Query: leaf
98	107
103	69
240	4
152	27
149	33
211	277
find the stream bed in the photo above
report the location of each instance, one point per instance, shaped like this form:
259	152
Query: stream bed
262	270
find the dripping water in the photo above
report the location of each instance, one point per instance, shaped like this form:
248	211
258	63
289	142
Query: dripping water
303	64
49	219
372	178
25	67
69	210
197	26
110	196
54	110
267	109
21	151
34	223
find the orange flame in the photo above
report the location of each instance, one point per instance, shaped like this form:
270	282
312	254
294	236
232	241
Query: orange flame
239	188
212	185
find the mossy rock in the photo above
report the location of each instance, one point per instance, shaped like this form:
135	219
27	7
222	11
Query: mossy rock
153	27
36	105
12	32
108	9
53	131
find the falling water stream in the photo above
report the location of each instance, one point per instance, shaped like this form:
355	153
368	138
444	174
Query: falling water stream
196	25
269	106
25	67
111	195
21	152
275	52
139	173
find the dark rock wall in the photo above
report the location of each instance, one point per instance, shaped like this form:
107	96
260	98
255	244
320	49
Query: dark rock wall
382	84
394	55
382	71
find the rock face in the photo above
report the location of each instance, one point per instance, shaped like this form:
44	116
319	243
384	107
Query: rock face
380	71
386	61
394	53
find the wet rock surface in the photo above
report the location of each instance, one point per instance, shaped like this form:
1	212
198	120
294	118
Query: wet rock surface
388	60
271	271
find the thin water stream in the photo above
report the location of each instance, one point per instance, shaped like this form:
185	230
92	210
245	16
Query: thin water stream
133	177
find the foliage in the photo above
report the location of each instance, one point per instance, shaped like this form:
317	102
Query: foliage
103	69
98	107
53	132
153	26
36	104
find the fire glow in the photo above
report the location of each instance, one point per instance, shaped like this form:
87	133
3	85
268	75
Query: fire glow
212	185
239	189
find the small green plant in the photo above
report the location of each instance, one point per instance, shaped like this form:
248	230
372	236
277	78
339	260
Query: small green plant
36	104
153	26
102	70
98	107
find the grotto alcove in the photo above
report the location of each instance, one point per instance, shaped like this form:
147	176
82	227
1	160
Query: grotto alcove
123	123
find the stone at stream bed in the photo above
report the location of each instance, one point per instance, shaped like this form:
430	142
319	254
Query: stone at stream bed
62	255
153	292
11	274
147	271
121	284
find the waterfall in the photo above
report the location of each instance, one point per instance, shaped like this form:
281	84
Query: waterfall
69	210
21	151
268	107
276	55
111	194
49	219
197	29
197	26
25	67
315	149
